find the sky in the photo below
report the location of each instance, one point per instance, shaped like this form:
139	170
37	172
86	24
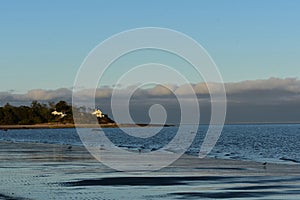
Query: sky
43	43
255	44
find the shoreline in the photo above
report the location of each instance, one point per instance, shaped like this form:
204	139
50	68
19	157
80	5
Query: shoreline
283	161
60	126
54	126
180	162
114	125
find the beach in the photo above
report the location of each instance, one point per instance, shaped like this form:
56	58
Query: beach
51	171
150	100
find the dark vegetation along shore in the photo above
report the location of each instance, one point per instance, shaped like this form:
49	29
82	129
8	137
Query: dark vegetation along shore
39	115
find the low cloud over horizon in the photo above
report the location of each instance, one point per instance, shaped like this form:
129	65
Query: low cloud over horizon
263	100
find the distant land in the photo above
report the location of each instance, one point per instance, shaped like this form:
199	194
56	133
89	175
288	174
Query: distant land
51	116
37	115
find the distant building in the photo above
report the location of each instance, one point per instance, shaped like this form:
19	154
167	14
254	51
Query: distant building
98	113
59	114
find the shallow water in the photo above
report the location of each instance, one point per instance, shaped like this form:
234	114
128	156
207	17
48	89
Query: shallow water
279	143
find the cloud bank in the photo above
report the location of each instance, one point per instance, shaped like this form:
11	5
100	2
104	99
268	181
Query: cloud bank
264	100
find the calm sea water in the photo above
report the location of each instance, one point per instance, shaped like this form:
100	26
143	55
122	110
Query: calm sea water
279	143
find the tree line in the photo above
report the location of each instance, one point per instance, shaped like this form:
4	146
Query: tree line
36	113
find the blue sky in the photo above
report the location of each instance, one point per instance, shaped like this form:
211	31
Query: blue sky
43	43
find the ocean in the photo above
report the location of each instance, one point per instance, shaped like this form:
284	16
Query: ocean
274	143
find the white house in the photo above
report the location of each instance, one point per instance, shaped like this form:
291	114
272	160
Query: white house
98	113
59	114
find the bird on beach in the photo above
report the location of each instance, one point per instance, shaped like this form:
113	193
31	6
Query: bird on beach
265	165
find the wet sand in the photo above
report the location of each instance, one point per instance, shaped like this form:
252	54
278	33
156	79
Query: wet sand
46	171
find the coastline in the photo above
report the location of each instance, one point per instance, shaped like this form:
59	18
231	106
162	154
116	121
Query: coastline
114	125
54	126
60	126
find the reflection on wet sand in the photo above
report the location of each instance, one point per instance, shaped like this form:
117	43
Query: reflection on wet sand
40	171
